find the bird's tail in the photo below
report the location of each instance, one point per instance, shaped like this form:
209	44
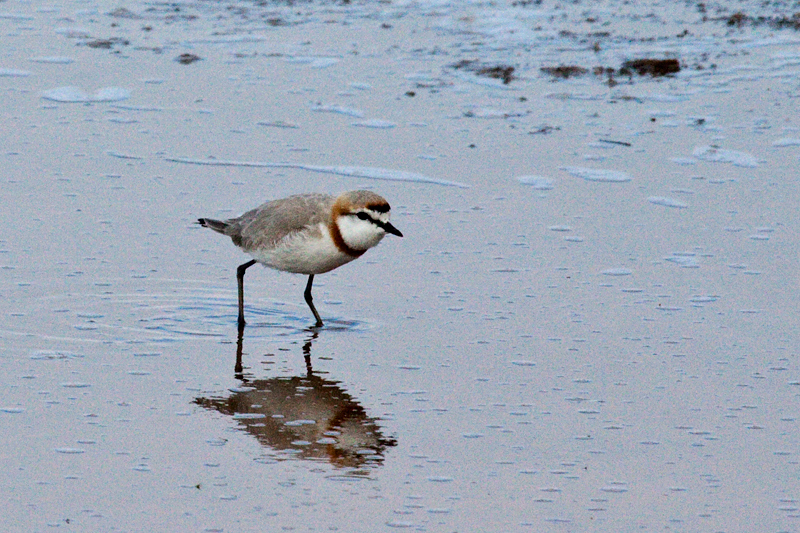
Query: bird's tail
217	225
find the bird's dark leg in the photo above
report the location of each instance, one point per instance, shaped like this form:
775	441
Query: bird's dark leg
310	301
240	280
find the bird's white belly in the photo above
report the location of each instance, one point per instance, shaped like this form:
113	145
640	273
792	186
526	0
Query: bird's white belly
303	254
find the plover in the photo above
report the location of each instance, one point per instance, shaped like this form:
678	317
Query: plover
307	234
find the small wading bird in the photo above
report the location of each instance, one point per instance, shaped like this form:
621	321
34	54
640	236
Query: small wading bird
307	234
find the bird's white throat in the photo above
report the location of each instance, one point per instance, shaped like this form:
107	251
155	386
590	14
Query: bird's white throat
361	234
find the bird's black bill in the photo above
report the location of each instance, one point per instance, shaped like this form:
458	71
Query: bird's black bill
391	229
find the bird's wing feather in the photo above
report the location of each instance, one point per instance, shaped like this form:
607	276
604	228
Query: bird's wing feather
270	223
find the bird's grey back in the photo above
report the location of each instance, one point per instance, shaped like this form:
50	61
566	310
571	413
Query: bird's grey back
269	223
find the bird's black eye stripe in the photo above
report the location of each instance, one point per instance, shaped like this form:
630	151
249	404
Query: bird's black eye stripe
379	208
363	215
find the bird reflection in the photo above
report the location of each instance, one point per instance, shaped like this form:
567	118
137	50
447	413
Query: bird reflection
304	417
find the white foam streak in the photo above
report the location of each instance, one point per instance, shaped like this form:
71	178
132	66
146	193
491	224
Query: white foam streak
667	202
354	171
718	155
78	95
597	174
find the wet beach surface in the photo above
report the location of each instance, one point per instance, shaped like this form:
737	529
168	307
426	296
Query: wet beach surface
589	325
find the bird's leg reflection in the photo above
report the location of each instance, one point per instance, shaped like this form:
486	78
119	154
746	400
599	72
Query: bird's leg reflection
237	369
307	350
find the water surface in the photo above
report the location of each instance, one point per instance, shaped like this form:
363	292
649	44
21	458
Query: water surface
590	324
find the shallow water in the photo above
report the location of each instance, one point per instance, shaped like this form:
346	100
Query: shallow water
590	323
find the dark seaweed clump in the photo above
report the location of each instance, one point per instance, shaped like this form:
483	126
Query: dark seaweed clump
500	72
565	71
642	67
740	19
106	44
650	67
187	59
